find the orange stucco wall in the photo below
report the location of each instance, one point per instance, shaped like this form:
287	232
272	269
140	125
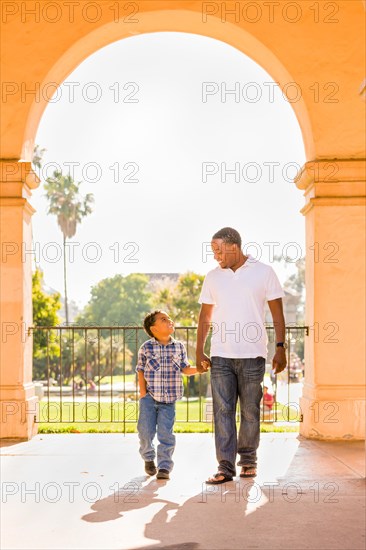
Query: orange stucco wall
317	45
321	48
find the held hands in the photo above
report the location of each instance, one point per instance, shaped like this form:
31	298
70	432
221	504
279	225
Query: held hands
279	361
203	363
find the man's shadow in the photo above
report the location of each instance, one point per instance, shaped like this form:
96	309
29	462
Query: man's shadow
189	526
201	522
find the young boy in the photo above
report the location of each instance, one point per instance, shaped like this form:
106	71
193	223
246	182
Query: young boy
161	361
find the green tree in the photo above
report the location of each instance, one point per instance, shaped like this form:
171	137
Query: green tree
185	298
163	299
119	301
296	282
45	308
297	279
66	203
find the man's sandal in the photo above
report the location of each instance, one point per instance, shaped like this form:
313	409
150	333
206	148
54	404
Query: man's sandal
248	471
215	479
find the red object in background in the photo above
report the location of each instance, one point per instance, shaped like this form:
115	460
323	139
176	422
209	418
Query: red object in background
268	399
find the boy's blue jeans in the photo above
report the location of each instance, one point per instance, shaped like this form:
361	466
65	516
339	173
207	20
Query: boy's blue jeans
156	418
233	379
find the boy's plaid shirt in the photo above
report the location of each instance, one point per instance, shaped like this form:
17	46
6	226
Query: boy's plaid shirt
162	367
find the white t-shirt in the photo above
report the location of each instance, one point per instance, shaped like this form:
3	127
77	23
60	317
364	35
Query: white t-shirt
238	316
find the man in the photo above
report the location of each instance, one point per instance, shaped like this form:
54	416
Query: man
232	300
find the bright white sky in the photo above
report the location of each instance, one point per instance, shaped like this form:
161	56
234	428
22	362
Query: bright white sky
167	133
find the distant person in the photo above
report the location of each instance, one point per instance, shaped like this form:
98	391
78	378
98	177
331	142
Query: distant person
268	399
92	385
233	298
89	370
161	362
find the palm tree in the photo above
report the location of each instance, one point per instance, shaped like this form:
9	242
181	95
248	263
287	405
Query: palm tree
37	156
66	203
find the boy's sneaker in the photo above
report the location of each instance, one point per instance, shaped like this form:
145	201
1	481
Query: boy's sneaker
150	468
162	474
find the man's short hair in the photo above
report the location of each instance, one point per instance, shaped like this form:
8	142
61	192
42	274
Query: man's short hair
150	320
229	236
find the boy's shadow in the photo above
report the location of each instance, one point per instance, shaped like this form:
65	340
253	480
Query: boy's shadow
131	496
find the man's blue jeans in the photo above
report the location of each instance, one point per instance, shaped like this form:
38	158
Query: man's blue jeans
233	379
156	418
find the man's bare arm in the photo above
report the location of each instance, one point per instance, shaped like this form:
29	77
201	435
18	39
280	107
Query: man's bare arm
276	309
204	321
279	360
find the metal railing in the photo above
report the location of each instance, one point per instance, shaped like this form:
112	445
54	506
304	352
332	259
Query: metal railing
87	374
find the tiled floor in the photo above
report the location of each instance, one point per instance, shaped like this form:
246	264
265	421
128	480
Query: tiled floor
89	491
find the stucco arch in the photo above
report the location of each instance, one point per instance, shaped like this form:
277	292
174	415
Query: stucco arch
325	46
168	21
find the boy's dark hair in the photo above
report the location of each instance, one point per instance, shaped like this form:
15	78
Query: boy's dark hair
150	320
229	236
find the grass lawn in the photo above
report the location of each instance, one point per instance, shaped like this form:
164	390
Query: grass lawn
118	378
121	417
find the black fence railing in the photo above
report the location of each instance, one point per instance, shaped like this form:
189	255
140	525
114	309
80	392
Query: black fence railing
87	374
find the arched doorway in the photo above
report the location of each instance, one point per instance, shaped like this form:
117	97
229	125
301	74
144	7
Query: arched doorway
332	179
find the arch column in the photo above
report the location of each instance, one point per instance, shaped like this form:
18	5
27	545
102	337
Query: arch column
333	402
18	403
